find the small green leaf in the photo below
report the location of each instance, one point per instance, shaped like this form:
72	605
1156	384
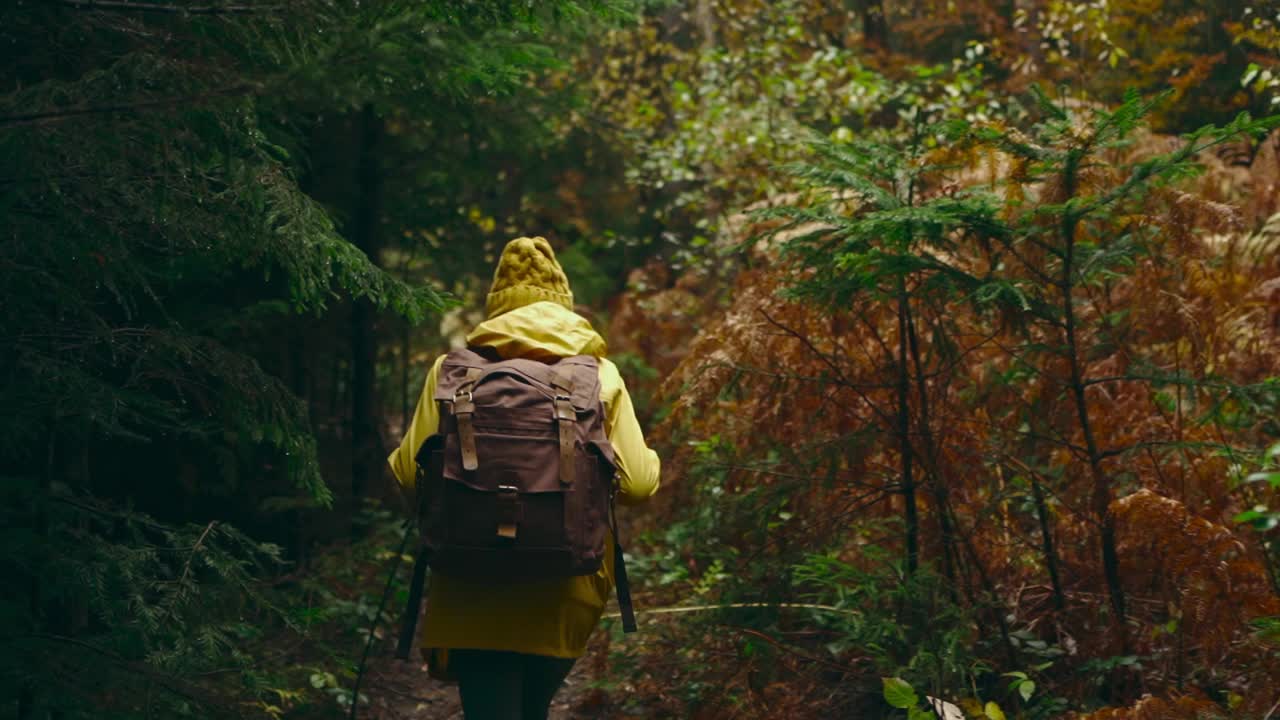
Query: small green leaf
898	693
1260	517
1026	688
1250	73
1249	516
993	711
1271	478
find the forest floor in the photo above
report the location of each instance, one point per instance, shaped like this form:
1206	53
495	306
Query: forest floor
399	690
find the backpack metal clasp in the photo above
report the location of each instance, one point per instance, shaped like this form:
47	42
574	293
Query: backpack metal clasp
508	511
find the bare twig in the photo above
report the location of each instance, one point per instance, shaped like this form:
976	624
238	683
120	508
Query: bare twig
186	568
793	651
841	378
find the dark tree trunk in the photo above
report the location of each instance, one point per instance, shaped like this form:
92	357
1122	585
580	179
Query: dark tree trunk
1046	542
366	445
910	513
875	25
406	393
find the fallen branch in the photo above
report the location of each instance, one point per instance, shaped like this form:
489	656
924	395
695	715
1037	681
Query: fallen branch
794	651
681	609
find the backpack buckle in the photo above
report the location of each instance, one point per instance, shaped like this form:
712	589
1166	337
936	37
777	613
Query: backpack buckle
564	408
508	511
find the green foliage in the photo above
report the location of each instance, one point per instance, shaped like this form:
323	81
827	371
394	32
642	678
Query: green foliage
164	178
898	693
684	540
591	284
163	613
872	222
708	123
1262	514
1261	517
906	622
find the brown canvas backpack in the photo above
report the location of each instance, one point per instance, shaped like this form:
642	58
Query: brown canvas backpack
518	483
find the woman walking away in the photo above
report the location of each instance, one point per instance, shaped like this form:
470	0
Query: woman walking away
517	449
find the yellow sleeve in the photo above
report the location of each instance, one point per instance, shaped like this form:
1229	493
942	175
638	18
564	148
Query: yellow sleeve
426	420
638	466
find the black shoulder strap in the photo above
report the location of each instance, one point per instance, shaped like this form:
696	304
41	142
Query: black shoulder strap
429	473
409	623
625	608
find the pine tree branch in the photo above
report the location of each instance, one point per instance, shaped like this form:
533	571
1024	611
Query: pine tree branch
216	706
56	115
126	6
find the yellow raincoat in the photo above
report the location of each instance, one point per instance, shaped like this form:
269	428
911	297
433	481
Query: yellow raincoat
552	617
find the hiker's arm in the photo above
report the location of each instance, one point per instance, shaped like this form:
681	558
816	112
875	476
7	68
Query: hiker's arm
638	466
426	420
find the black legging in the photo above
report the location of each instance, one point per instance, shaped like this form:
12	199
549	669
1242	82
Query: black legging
505	685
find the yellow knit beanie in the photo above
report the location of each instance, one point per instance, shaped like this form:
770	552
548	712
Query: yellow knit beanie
527	273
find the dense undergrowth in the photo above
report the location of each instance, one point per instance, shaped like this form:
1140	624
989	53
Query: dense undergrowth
917	452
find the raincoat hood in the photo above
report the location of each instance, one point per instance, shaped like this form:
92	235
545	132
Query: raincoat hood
539	331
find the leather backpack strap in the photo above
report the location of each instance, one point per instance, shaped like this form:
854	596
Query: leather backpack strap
567	419
410	621
463	407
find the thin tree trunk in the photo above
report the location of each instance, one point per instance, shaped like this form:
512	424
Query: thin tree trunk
932	466
910	514
704	17
1011	653
875	25
26	699
1046	544
1101	495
